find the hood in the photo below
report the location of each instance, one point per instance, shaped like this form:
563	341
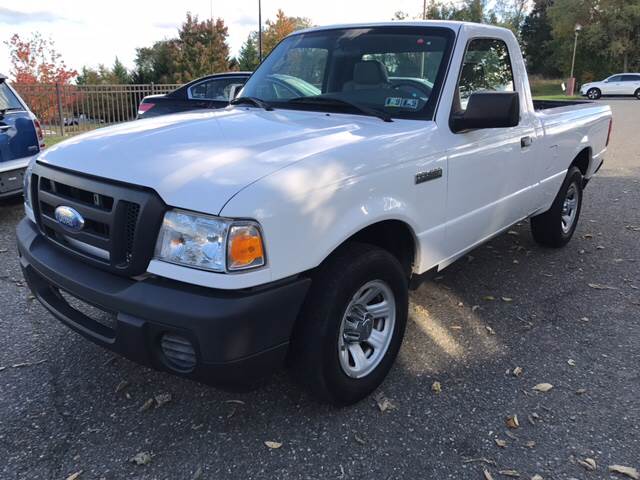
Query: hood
207	154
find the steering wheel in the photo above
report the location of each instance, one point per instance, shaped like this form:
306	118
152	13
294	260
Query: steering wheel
412	86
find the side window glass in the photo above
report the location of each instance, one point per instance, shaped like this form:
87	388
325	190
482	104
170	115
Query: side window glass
617	78
486	68
217	89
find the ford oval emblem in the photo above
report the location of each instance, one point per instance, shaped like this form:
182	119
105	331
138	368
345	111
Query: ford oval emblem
69	217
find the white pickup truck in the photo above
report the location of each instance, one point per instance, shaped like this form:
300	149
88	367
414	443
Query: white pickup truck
287	227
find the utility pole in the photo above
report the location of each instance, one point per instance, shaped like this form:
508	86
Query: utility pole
260	30
424	9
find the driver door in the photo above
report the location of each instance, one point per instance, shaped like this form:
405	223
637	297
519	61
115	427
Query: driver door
489	169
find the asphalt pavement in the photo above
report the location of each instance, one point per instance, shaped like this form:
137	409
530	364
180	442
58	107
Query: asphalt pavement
569	318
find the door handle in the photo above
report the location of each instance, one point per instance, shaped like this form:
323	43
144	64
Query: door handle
4	127
526	142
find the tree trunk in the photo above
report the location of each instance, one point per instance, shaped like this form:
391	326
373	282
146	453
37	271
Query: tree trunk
626	62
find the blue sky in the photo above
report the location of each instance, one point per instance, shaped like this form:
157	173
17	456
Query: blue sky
92	32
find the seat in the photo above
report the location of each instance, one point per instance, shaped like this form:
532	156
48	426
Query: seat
368	74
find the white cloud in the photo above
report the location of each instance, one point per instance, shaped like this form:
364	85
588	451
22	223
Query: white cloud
90	33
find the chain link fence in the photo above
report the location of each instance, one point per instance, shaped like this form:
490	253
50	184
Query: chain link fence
71	109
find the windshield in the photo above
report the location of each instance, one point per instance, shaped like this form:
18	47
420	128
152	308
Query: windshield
394	70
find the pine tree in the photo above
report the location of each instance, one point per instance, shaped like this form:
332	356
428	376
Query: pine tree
248	58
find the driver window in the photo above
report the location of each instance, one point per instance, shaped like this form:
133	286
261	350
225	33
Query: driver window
486	68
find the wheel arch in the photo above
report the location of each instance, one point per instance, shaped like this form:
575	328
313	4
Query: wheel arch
393	235
583	160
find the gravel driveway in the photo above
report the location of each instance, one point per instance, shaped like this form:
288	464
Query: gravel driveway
570	318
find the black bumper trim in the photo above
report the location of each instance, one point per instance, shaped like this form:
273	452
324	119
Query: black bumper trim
238	335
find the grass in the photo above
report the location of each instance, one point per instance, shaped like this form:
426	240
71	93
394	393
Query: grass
51	140
556	97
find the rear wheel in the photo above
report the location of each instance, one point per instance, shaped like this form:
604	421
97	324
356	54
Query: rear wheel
352	324
555	227
594	93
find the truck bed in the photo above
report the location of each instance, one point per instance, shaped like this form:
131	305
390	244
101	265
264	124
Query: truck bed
548	104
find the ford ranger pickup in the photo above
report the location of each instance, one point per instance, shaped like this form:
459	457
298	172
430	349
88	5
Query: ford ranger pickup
286	228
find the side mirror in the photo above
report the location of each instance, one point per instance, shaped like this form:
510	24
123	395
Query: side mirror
488	110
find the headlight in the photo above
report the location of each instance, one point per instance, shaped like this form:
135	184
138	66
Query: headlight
209	243
28	206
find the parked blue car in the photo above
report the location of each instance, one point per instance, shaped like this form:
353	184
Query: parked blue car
21	138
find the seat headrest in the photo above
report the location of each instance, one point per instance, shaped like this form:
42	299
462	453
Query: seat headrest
370	72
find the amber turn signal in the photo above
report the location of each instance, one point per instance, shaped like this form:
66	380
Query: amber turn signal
245	248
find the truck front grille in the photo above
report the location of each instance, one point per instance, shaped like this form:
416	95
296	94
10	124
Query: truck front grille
120	221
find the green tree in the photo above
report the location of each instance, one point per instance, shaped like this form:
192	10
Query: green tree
609	41
158	63
119	73
248	59
536	35
203	48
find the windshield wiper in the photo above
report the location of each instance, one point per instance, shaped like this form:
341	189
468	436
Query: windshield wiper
339	101
253	101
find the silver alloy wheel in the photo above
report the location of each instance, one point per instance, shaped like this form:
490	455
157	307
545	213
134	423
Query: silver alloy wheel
593	94
570	208
367	329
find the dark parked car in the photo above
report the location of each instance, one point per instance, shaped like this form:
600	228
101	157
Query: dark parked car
212	91
21	138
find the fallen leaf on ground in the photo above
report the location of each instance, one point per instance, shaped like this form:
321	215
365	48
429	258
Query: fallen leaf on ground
511	435
162	398
359	439
142	458
146	405
584	319
2	368
501	443
510	473
580	391
588	463
513	232
628	471
543	387
588	235
598	286
512	421
518	371
571	362
436	387
489	298
121	386
537	477
238	402
475	307
198	474
74	476
530	444
490	330
479	459
487	475
384	403
507	299
273	445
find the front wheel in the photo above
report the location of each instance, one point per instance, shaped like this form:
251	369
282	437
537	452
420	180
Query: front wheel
594	94
352	324
555	227
637	94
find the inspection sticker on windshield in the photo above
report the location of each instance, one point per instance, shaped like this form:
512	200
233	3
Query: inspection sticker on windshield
399	102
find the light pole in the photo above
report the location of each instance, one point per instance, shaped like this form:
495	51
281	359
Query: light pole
572	80
260	31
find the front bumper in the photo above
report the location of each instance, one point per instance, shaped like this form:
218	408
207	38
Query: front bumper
12	177
238	336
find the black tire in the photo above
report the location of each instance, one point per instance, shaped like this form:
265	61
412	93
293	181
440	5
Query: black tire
548	228
594	93
314	357
637	94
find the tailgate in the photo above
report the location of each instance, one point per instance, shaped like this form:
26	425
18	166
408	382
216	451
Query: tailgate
18	138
